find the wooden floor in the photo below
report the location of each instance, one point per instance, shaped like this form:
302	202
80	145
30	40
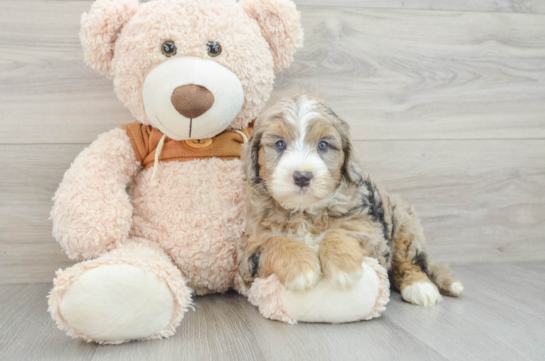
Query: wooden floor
501	316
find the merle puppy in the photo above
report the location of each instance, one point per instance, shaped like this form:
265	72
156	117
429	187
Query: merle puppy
312	211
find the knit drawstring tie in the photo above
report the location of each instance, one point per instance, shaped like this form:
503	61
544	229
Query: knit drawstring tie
154	181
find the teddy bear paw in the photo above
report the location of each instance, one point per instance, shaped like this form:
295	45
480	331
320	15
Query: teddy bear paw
117	303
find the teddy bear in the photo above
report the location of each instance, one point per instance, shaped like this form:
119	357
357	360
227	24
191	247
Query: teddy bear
153	209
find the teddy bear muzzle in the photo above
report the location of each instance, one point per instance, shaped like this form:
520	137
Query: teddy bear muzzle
189	97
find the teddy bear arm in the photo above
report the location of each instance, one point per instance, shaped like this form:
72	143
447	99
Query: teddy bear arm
92	212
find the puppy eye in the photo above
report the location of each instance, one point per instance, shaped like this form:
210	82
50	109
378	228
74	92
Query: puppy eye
169	49
280	145
323	146
214	48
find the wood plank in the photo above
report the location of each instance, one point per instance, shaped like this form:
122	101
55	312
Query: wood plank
508	6
47	93
27	331
31	263
399	74
479	201
30	177
479	325
522	280
483	324
378	339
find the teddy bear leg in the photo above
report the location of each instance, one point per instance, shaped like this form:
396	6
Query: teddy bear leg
131	293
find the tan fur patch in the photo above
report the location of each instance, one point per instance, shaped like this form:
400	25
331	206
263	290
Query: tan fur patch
339	252
323	128
287	258
282	128
443	278
404	270
263	169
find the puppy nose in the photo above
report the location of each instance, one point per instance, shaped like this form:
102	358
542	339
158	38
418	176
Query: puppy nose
192	100
302	179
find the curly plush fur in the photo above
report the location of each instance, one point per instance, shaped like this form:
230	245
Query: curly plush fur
178	236
335	220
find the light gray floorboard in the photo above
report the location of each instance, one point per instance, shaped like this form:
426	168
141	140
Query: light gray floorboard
497	318
27	332
379	339
487	323
508	6
523	280
515	6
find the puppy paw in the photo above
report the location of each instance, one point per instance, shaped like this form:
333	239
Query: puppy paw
341	262
304	280
456	288
422	294
298	269
342	279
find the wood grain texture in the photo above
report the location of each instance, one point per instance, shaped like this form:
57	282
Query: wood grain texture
30	177
398	74
47	93
508	6
485	323
479	201
31	262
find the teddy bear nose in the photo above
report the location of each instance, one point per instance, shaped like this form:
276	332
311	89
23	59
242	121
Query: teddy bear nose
192	100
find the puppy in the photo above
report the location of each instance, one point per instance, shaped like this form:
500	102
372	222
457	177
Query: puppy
312	211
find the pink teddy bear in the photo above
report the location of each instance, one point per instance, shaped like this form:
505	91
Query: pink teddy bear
155	208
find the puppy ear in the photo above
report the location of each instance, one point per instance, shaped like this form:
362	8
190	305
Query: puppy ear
250	157
280	25
350	169
100	29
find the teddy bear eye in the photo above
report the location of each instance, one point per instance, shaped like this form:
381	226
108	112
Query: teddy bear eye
169	49
214	48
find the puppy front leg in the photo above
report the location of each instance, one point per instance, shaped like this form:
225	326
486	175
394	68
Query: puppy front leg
341	258
248	258
296	265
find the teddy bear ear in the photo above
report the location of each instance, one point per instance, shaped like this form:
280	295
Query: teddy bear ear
100	29
280	24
